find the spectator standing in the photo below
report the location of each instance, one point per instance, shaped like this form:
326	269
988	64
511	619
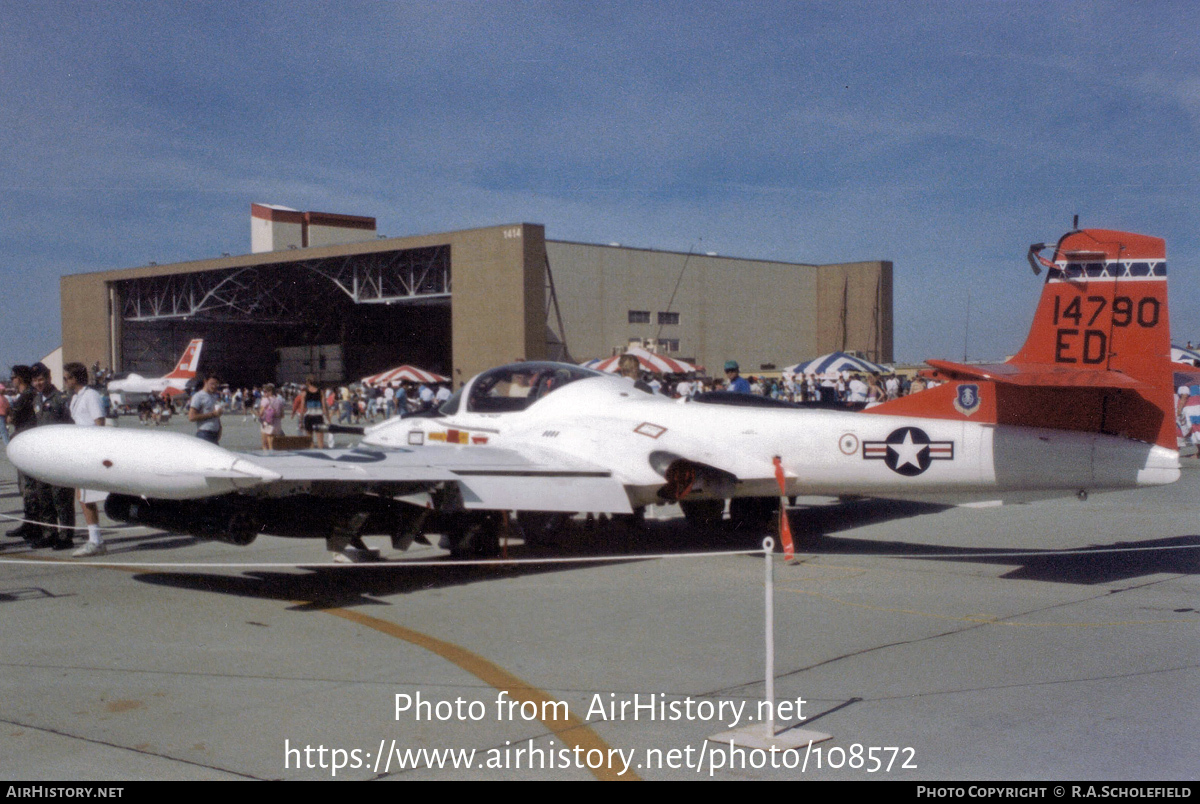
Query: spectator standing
735	381
87	410
205	410
55	503
314	409
22	417
270	416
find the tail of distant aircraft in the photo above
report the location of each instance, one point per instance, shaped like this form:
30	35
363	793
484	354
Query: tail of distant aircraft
185	369
1098	356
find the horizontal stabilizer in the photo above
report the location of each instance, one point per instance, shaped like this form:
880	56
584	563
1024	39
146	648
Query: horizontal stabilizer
1038	375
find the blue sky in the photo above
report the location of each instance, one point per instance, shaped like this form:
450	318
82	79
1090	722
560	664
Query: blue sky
946	137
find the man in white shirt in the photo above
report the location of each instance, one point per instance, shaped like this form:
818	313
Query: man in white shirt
425	394
389	401
857	390
87	410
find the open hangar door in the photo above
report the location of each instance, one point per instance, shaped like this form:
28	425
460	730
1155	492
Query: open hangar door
383	309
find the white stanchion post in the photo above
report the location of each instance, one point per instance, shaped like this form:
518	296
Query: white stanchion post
769	611
763	735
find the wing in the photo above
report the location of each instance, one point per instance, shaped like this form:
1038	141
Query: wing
490	478
177	467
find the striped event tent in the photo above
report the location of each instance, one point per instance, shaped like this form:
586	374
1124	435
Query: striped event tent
834	363
649	361
404	373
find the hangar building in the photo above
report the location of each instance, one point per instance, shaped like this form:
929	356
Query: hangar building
322	294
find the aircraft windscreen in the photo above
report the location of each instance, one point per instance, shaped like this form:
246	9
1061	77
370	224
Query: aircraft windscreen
450	406
517	386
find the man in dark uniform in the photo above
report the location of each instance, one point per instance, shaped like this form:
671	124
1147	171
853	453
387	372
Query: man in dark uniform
22	417
52	406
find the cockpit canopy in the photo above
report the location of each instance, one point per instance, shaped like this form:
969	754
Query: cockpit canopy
515	387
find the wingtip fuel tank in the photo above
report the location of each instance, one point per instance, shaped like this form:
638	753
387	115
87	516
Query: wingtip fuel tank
170	466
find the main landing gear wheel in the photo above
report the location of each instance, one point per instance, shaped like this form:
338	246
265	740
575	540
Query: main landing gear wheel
243	528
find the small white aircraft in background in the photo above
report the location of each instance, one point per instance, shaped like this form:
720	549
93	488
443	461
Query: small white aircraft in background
183	373
1086	405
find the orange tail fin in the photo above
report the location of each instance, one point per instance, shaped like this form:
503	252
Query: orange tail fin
1103	317
1098	356
186	367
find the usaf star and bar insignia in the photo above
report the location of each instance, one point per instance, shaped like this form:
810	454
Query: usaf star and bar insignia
908	451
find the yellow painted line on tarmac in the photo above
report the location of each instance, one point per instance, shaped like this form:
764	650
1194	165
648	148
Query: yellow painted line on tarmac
571	731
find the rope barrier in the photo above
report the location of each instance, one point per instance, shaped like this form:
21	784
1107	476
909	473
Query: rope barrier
380	563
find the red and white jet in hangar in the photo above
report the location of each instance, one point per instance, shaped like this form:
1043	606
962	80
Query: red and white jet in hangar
175	380
1086	405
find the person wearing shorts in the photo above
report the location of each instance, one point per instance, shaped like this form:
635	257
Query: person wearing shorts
270	416
314	410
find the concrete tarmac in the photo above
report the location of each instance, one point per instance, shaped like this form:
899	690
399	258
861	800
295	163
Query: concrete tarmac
1053	641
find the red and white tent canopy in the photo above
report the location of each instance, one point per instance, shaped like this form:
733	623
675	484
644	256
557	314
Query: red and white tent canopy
404	373
649	361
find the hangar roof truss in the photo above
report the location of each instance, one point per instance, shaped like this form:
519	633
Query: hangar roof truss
393	276
284	292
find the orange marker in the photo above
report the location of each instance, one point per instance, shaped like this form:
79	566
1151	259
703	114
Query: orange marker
785	529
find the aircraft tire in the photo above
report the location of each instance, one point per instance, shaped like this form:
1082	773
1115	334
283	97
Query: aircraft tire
243	528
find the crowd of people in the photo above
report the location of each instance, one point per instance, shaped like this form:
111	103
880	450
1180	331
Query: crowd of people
833	388
48	517
49	511
310	403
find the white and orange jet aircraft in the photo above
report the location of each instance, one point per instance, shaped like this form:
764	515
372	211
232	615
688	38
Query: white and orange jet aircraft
1086	405
183	373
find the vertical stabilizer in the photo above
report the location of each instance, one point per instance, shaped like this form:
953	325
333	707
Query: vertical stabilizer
185	369
1104	309
1098	356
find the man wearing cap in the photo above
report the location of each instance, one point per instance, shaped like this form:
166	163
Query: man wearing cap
733	380
50	406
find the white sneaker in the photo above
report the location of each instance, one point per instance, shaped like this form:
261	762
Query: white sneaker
90	549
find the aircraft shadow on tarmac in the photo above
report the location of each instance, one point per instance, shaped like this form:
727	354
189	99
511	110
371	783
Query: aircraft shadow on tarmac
339	586
323	587
1096	564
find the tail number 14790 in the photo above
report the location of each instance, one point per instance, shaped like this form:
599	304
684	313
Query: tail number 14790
1084	344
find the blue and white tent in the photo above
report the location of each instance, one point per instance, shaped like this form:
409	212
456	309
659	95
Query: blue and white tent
834	363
